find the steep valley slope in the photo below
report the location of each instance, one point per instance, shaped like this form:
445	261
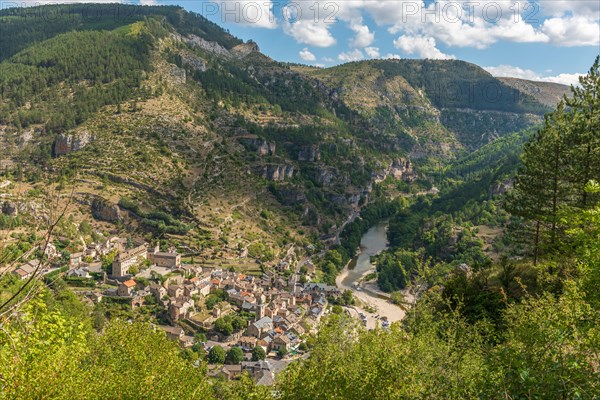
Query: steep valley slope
161	112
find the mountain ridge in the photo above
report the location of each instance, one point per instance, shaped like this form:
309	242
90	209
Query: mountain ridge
205	119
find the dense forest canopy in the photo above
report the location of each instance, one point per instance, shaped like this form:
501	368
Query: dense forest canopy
23	26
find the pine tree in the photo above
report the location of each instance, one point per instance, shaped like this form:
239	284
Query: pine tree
558	163
584	142
528	200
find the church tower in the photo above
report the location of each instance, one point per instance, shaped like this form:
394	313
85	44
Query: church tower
261	304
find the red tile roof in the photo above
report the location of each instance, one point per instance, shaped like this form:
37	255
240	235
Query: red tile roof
130	283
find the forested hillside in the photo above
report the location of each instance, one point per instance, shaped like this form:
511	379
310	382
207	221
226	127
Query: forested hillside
159	100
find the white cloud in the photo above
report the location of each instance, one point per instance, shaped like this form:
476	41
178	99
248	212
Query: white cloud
328	59
565	79
306	55
512	72
354	55
558	8
148	2
572	31
364	37
464	23
310	32
424	47
256	14
390	56
516	72
372	52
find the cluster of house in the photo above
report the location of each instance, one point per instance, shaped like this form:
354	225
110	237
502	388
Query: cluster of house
87	261
25	271
282	315
284	309
33	267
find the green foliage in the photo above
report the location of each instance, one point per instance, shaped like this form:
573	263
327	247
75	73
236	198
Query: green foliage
27	25
347	298
61	358
214	298
216	355
282	352
260	251
157	220
110	63
457	84
235	355
558	163
544	351
395	269
258	353
229	324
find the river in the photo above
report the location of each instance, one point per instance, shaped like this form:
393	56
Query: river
372	243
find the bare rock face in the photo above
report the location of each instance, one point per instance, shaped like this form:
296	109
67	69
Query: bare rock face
67	143
354	199
277	173
212	47
338	199
292	196
244	49
178	74
502	187
309	153
102	210
194	61
262	147
399	169
325	176
402	169
25	137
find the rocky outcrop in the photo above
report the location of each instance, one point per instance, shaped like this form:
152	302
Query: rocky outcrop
103	210
501	188
311	216
292	196
9	208
262	147
25	137
178	74
354	200
309	153
194	62
399	169
276	173
325	176
347	199
212	47
67	143
244	49
338	199
402	169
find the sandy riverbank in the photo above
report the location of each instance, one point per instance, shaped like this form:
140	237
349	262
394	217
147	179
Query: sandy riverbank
383	307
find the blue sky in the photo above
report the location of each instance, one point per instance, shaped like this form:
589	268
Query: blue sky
552	40
542	40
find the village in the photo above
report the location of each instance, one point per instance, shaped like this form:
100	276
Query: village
241	322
